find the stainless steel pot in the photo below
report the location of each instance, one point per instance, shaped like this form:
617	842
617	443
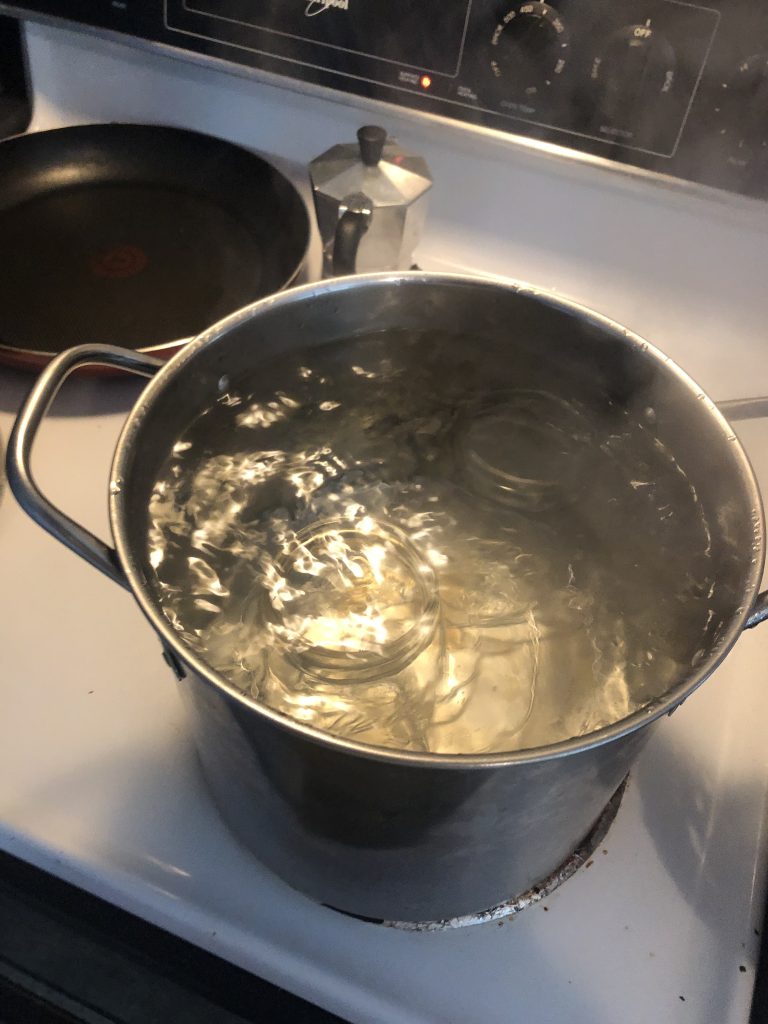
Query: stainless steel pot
379	833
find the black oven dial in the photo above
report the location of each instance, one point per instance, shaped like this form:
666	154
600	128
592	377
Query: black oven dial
529	49
739	122
635	68
746	102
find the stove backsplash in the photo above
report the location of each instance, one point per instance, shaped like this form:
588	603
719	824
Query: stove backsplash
662	85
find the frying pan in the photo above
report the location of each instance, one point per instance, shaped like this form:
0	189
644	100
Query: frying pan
138	235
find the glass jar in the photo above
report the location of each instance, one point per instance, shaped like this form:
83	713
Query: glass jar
524	449
487	690
487	579
351	612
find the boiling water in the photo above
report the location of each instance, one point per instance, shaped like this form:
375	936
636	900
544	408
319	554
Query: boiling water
391	546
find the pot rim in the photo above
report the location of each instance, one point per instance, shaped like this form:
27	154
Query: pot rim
643	716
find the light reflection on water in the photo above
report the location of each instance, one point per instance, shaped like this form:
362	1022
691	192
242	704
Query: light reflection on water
382	549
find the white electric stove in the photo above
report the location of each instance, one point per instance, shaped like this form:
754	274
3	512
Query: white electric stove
99	782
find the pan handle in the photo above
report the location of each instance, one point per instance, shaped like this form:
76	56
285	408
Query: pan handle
20	477
749	409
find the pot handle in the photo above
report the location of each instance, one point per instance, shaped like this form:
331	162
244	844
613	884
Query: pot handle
749	409
20	477
744	408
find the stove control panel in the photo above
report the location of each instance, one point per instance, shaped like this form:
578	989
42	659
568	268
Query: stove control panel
665	85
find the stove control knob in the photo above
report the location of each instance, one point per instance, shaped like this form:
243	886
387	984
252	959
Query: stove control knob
529	48
635	67
745	102
739	132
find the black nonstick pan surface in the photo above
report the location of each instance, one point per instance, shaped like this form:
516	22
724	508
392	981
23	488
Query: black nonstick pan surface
137	235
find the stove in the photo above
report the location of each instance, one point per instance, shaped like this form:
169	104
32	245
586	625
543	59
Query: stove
99	782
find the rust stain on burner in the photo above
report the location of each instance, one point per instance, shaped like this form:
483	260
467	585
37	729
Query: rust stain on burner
119	261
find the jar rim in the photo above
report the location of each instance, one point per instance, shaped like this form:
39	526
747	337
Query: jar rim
329	664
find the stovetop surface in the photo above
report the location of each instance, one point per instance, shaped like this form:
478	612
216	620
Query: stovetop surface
99	782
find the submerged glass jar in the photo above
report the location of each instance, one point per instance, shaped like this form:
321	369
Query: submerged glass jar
486	579
354	644
524	449
486	693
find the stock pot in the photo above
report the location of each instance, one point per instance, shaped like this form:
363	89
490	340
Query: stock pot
385	834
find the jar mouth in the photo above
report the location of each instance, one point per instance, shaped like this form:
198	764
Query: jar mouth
351	601
517	448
